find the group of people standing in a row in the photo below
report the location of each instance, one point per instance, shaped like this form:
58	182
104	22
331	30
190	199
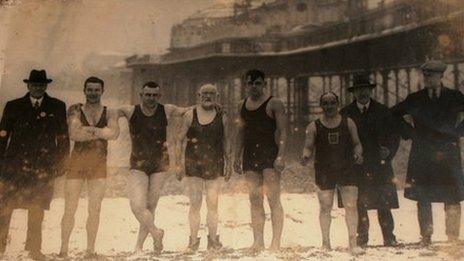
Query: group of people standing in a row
352	150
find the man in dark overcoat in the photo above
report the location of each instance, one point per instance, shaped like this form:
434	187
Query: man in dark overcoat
434	169
376	187
34	144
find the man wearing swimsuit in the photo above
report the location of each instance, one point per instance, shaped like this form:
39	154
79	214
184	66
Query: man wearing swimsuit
333	140
205	132
260	147
149	161
90	127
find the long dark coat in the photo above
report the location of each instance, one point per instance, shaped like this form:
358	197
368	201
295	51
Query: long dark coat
434	169
34	144
376	189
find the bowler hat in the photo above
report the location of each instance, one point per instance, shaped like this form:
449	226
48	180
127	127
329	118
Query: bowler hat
361	81
38	76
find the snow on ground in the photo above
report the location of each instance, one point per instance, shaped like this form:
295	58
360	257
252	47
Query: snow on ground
301	236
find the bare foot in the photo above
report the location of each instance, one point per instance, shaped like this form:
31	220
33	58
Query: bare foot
138	251
63	255
158	242
255	249
326	247
356	251
91	255
274	248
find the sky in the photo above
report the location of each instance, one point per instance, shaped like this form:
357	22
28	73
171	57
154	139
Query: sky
63	31
59	34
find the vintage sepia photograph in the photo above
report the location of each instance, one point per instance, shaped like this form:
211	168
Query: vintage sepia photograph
231	129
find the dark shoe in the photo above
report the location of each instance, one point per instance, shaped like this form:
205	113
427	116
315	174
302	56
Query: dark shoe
390	242
361	241
158	242
37	255
426	241
63	255
194	244
214	243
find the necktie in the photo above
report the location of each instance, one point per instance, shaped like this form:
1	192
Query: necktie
434	95
36	104
364	109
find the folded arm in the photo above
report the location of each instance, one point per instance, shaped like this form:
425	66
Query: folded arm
111	131
77	132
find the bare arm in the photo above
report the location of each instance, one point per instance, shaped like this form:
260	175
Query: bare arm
175	111
125	111
111	131
239	136
308	149
358	150
226	141
281	122
226	144
182	137
310	138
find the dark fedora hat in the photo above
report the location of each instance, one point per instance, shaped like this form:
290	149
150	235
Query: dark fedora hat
361	81
38	76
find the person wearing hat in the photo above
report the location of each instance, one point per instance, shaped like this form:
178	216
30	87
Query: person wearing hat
376	189
34	145
434	169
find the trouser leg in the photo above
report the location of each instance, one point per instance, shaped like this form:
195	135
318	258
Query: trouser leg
363	226
424	214
453	220
386	224
34	228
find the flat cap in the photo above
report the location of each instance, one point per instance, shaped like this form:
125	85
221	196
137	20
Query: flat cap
434	66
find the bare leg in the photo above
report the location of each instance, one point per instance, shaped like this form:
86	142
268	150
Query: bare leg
272	190
213	188
96	192
155	187
138	192
350	199
326	198
72	192
255	192
195	195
